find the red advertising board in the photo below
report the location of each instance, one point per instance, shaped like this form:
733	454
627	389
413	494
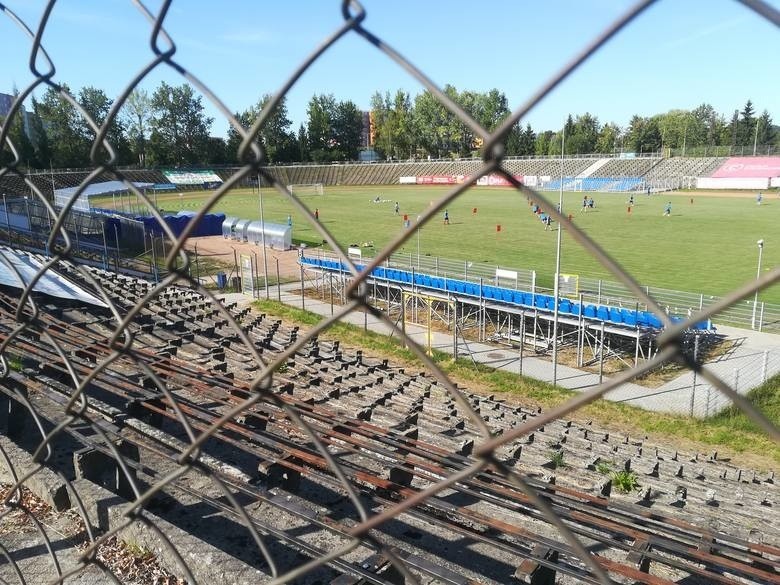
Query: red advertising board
741	167
436	180
497	180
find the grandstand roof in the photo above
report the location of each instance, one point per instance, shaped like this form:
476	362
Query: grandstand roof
51	283
104	188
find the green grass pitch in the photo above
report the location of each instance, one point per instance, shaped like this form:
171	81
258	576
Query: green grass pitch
707	246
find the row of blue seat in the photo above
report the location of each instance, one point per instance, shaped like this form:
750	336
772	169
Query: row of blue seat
612	315
600	184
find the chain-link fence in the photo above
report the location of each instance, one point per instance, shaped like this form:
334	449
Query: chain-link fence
208	439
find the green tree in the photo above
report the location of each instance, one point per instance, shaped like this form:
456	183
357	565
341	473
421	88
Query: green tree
644	134
97	105
765	130
381	131
303	144
707	127
730	134
431	124
403	125
179	133
275	136
747	125
137	113
347	129
39	138
608	138
514	144
527	141
69	147
321	112
216	151
584	133
542	144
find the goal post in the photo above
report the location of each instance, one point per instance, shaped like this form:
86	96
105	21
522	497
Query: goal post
303	189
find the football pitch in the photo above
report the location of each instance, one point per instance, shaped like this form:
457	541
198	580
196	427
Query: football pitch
707	245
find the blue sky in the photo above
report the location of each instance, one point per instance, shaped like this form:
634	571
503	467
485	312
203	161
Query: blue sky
678	54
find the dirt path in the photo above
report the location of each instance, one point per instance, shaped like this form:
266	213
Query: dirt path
226	251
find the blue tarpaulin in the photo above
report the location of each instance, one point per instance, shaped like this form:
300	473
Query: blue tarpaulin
209	225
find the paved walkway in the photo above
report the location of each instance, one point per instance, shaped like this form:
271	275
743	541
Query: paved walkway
753	358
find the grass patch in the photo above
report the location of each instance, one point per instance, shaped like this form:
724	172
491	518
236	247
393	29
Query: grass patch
557	459
625	481
604	467
766	398
730	430
14	363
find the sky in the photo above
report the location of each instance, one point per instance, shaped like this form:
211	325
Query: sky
677	54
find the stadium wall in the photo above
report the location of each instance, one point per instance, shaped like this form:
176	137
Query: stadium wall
387	173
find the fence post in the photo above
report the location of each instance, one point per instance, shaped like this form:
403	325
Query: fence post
761	317
601	354
278	281
454	330
481	310
330	288
765	366
303	296
695	358
522	339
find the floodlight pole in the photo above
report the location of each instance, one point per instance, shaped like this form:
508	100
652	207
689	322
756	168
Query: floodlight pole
755	137
556	290
758	275
418	242
262	238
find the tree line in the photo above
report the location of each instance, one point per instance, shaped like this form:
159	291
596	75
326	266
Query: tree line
169	128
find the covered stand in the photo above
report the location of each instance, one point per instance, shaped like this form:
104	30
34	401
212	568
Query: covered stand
277	236
228	226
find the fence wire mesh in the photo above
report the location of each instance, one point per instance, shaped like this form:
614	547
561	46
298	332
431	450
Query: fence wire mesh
94	390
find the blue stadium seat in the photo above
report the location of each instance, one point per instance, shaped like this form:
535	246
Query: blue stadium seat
614	315
507	295
643	318
576	308
550	304
418	279
540	301
460	286
427	280
517	297
528	299
629	317
654	321
565	306
602	313
590	311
